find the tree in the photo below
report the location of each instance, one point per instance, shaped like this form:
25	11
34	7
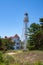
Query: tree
41	22
8	43
35	40
1	57
39	39
1	44
34	28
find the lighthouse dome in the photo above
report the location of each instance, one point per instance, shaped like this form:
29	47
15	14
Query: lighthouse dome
26	17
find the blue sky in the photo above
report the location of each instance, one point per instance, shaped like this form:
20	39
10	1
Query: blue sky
12	15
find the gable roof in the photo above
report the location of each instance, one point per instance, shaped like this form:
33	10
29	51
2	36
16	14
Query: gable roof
16	36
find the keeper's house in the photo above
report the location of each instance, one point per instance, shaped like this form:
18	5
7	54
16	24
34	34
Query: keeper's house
16	40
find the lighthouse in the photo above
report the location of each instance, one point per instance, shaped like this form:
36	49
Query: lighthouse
25	30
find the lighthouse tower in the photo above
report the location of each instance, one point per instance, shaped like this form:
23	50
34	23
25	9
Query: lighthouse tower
25	29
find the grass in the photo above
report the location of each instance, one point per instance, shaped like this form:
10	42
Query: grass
30	56
24	58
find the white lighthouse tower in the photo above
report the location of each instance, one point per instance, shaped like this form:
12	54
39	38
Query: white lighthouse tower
25	29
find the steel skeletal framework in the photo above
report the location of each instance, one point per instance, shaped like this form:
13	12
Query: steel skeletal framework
25	29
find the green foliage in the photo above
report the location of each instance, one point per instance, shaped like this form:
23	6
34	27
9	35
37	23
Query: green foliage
6	44
38	63
33	28
41	20
1	44
35	40
41	23
27	63
1	57
9	59
12	60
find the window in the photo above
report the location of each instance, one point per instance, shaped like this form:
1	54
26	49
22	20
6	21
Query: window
17	43
17	47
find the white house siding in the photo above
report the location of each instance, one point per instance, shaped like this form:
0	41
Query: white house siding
17	44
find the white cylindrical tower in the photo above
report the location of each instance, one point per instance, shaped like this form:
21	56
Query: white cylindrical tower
25	30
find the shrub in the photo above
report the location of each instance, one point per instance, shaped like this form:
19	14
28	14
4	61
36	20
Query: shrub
9	59
1	57
38	63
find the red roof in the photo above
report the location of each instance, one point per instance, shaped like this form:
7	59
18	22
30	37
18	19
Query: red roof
16	36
